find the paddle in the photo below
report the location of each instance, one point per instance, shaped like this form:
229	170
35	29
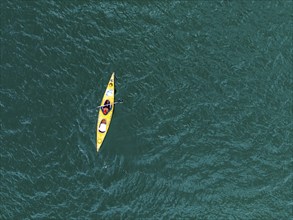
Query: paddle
119	101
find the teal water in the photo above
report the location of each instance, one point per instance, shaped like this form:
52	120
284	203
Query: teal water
205	130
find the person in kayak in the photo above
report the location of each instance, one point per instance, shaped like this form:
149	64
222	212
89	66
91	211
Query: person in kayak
103	126
107	107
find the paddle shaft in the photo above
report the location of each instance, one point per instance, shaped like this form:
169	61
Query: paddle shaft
109	104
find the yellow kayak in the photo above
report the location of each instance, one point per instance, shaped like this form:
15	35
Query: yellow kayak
105	112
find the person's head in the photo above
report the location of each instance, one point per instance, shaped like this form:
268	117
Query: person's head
107	102
103	121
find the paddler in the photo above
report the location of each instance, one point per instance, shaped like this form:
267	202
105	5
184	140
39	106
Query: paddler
103	126
107	107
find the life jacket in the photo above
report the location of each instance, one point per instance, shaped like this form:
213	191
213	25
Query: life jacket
105	111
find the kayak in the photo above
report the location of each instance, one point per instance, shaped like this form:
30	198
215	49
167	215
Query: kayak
105	112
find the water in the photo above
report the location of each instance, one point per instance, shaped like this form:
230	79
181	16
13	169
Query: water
205	131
